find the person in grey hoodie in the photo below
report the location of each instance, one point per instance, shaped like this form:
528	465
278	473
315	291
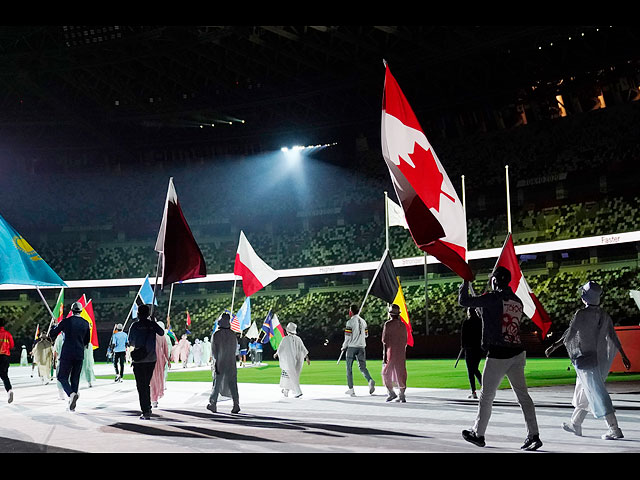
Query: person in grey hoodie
354	344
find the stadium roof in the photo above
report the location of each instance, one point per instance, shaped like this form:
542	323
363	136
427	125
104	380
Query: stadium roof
67	86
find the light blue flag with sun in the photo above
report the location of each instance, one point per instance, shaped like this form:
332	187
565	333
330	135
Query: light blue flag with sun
20	264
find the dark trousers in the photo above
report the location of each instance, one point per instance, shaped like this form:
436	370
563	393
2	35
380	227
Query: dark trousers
69	375
118	359
472	357
4	371
143	372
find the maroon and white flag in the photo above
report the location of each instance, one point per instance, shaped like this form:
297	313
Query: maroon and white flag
433	211
181	256
255	273
531	305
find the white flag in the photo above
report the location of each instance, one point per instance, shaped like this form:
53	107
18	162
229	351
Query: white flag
635	294
395	215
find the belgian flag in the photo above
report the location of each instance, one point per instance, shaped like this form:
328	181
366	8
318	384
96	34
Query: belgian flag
385	284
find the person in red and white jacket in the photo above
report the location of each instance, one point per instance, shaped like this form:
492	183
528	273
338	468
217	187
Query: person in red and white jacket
6	345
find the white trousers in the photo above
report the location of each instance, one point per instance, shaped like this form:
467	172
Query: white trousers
495	369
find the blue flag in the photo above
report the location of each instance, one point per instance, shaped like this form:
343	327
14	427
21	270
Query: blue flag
244	315
144	297
20	264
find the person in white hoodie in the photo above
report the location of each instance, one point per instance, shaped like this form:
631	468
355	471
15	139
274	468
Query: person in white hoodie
592	343
354	345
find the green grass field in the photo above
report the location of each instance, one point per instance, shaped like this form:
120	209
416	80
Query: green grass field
431	373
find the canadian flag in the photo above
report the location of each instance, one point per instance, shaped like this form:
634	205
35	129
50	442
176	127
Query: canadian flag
433	211
255	273
531	305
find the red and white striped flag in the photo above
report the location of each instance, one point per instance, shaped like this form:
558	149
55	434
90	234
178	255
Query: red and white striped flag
531	305
433	211
255	273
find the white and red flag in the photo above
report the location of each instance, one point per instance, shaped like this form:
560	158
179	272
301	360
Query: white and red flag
432	209
181	256
531	305
255	273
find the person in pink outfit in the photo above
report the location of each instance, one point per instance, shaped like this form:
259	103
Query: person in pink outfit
394	355
162	359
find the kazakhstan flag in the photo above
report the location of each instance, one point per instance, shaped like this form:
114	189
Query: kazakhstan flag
20	264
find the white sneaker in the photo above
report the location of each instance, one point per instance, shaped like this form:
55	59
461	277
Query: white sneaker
614	433
285	392
350	392
73	398
573	428
10	399
154	404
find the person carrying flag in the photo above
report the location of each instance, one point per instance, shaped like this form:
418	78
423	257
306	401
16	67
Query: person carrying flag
501	312
394	354
77	336
355	341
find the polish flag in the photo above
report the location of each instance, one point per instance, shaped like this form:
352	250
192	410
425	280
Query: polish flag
255	273
432	209
181	256
531	305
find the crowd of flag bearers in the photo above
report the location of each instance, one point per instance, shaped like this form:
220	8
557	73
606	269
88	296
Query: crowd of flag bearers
429	208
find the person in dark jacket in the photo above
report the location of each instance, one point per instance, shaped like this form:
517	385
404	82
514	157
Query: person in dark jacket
501	313
470	341
142	337
76	338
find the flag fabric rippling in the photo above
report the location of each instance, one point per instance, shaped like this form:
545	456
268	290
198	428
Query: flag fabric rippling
385	285
531	305
433	211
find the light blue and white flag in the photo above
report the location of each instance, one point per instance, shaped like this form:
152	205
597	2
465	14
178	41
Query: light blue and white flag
144	297
20	264
244	315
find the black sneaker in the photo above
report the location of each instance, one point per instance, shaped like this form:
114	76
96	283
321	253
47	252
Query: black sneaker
471	437
145	416
531	443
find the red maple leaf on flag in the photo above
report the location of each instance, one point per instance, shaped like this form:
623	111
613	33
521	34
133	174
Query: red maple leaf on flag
426	178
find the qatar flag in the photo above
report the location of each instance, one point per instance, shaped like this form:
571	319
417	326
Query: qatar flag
432	209
531	305
181	256
255	273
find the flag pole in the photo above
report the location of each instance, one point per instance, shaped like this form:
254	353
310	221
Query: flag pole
153	300
506	167
386	220
233	294
170	297
48	309
371	283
